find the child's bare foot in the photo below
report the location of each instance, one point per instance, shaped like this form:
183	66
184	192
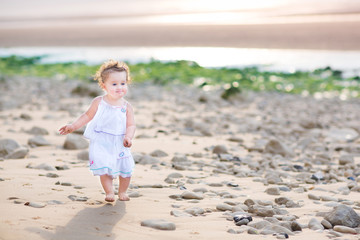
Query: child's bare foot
110	197
123	197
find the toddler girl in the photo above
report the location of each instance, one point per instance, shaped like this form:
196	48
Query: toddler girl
110	130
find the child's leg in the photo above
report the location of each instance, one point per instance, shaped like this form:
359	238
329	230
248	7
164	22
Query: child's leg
107	184
123	186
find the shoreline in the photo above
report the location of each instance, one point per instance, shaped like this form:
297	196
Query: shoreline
319	36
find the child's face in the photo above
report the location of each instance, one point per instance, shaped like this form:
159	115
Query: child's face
115	84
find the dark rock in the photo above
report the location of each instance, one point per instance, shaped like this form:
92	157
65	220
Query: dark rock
74	141
343	215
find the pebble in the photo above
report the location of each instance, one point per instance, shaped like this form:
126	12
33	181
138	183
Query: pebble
52	175
38	131
314	224
75	141
273	191
160	224
344	229
253	231
328	198
175	175
276	147
195	211
42	166
313	197
326	224
224	207
35	204
18	153
77	198
158	153
83	155
176	213
191	195
219	149
134	195
38	141
259	224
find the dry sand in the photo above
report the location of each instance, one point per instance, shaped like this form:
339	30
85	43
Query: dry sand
176	122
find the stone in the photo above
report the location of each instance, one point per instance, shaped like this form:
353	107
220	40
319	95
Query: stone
344	229
195	211
83	155
326	224
273	191
281	200
203	190
346	159
328	199
278	229
218	149
25	116
159	153
38	141
35	204
259	224
75	141
295	226
343	215
52	175
224	207
77	198
42	166
38	131
160	224
7	146
318	176
314	224
175	175
176	213
241	222
253	231
18	153
342	134
276	147
313	197
191	195
62	167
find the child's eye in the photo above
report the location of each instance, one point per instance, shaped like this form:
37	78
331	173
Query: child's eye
123	84
114	84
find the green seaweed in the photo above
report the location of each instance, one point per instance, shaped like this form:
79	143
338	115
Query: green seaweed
324	80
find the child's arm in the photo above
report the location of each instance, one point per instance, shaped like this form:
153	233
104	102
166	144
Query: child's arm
130	126
83	119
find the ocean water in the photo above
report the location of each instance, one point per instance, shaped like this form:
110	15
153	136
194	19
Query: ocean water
265	59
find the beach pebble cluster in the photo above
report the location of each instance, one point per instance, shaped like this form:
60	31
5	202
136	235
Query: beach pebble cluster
261	163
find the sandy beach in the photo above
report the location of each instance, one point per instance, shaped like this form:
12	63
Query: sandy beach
284	160
256	166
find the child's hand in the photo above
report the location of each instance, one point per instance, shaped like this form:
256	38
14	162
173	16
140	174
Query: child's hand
127	142
66	129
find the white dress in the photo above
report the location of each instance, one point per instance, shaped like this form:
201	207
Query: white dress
106	131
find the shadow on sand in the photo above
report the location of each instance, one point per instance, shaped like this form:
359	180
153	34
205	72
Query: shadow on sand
89	223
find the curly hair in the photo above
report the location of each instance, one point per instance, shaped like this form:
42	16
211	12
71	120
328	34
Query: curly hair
108	67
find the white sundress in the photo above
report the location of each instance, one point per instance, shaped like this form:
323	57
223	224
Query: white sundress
106	132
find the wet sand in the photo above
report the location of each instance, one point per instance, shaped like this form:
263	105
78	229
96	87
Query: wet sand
322	36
